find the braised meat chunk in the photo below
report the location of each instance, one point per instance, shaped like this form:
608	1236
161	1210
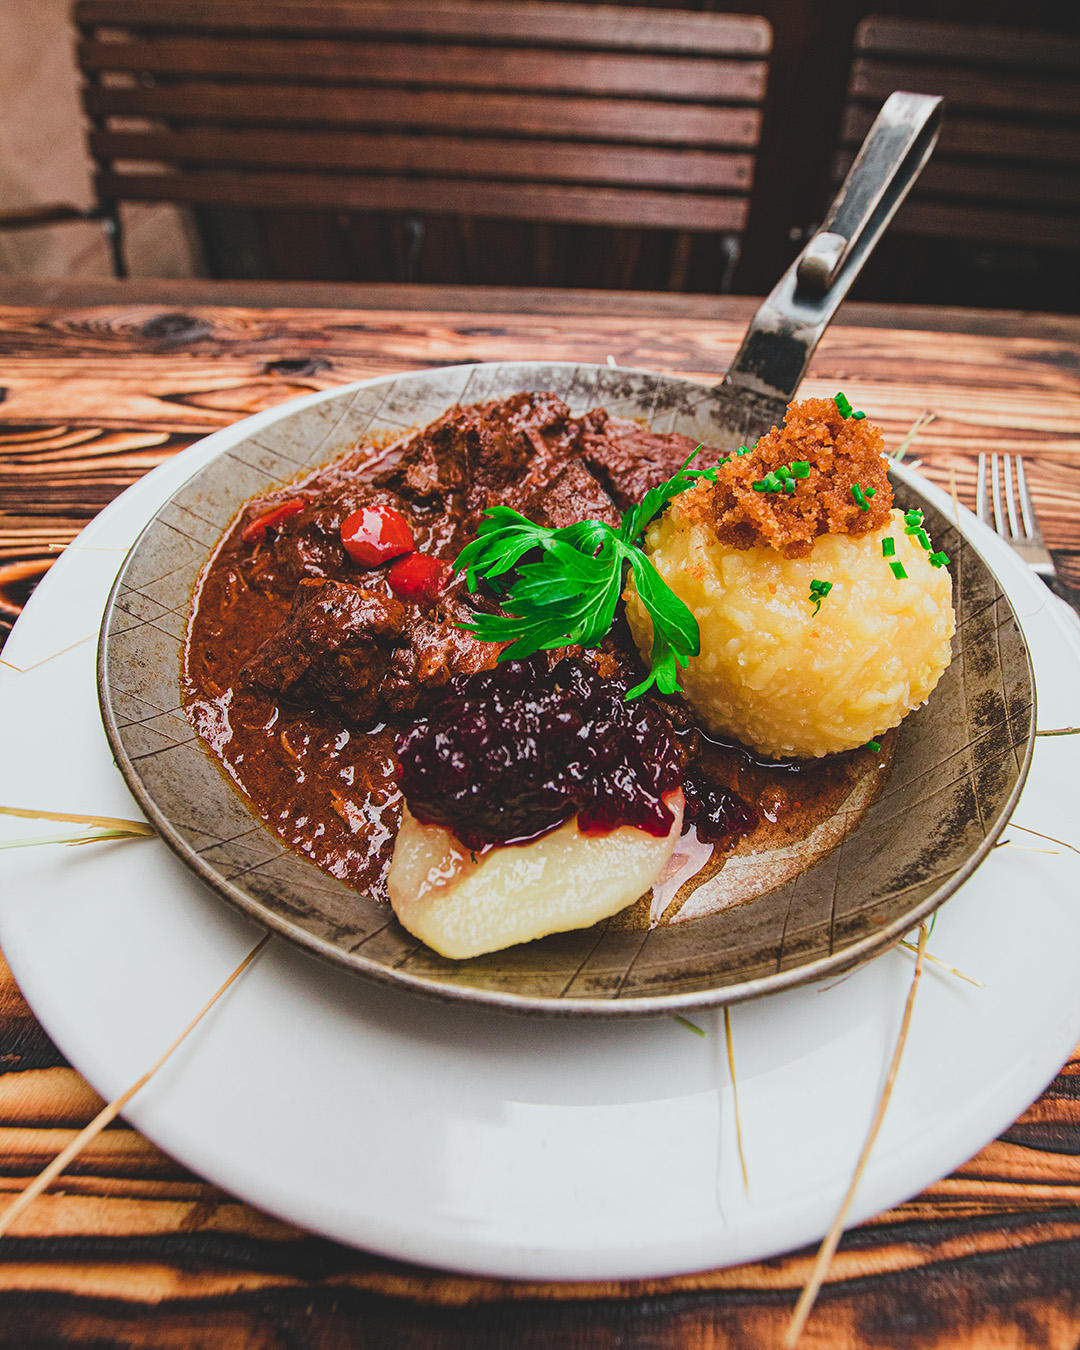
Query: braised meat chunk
435	651
334	647
627	459
362	652
562	497
472	452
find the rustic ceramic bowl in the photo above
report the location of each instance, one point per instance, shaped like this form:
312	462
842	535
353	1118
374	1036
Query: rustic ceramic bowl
957	770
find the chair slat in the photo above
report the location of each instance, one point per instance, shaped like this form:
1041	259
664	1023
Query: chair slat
947	177
990	137
515	201
560	25
987	225
966	44
442	155
667	77
967	89
526	115
632	117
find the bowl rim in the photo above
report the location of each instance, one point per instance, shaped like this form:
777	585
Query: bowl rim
650	1005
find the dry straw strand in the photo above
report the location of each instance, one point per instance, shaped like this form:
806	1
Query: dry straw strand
88	548
80	818
735	1099
71	839
1027	848
923	420
827	1250
941	965
1048	837
109	1113
1060	731
25	670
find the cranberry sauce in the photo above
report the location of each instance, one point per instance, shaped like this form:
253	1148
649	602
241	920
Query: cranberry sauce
719	815
510	753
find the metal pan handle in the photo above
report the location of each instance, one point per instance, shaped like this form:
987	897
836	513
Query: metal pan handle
783	334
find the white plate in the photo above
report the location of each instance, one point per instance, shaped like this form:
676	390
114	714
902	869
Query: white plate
483	1142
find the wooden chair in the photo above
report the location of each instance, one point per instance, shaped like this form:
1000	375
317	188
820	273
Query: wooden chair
531	111
1006	172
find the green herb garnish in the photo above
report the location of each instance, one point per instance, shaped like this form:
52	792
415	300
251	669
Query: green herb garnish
938	560
898	571
783	478
875	746
568	594
818	591
843	404
888	547
861	497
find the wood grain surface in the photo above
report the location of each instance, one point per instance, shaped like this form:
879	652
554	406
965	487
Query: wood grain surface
100	385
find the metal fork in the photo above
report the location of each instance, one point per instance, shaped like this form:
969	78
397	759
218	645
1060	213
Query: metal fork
1020	530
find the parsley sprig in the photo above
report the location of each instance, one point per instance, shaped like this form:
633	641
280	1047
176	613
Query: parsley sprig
568	593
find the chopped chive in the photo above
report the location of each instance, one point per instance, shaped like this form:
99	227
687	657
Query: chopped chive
789	485
898	571
870	492
783	472
875	746
759	486
800	468
939	559
843	403
772	483
923	539
742	450
860	497
888	547
818	591
913	517
858	416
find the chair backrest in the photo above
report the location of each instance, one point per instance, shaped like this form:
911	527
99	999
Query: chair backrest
523	111
1006	167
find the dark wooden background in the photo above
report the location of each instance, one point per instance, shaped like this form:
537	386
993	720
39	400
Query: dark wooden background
99	384
808	78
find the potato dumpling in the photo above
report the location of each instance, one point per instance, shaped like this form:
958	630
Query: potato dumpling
518	892
779	677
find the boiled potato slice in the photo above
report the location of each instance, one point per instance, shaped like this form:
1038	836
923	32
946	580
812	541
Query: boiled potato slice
519	892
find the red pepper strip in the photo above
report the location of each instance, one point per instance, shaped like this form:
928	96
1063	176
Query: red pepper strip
255	530
375	534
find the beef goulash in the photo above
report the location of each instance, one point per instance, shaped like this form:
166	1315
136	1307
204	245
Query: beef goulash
330	665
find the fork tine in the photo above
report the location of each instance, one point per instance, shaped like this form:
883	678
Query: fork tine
1027	506
995	488
1010	500
980	490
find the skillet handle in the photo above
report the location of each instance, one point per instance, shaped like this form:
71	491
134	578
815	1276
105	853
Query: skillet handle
784	332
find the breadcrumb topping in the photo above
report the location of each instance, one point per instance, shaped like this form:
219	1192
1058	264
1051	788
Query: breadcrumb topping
846	490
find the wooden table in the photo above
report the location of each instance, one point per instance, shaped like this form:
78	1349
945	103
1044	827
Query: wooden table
100	383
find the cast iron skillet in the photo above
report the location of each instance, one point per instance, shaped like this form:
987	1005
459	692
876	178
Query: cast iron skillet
957	770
